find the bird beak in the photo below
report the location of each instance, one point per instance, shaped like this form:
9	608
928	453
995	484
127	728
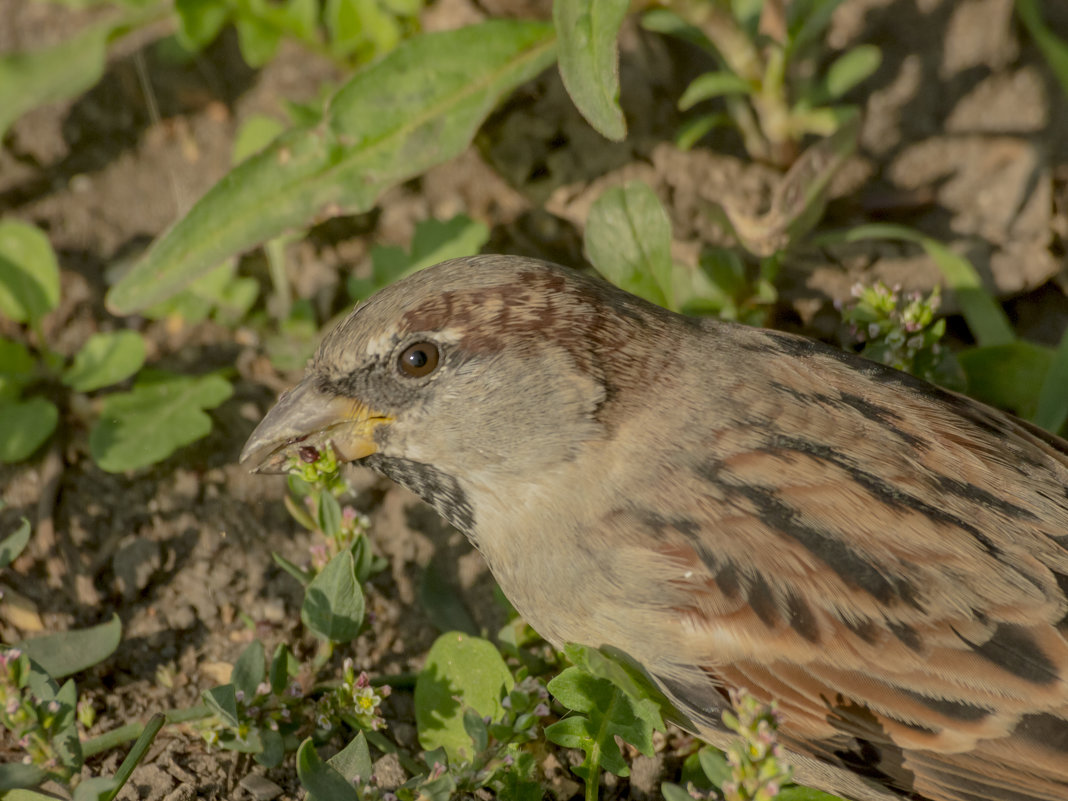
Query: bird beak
303	422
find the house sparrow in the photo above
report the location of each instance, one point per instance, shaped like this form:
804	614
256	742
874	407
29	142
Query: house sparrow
732	507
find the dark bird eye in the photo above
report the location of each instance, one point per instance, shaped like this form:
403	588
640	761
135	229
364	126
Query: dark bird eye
419	359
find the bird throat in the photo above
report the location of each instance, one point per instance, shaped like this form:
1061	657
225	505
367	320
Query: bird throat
438	489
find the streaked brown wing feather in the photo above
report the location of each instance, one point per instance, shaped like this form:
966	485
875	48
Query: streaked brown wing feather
894	577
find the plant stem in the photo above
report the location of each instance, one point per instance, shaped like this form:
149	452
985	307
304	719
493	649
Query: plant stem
131	731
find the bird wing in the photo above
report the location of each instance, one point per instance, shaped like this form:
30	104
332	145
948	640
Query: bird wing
894	576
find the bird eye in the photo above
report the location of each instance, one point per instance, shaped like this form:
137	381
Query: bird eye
419	359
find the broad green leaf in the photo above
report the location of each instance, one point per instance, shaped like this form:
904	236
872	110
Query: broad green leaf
29	272
32	78
627	675
710	85
69	652
628	240
162	413
219	292
200	21
273	750
105	359
96	788
1008	376
333	601
363	28
322	781
249	669
1053	48
714	764
1052	411
280	671
417	107
589	60
257	38
15	775
24	427
13	544
354	760
606	712
223	701
16	368
255	133
674	792
470	668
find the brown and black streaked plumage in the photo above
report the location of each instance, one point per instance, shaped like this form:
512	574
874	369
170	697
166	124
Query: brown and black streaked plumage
733	507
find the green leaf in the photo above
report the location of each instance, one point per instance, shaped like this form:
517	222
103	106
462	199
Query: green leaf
1052	409
589	60
320	779
162	413
14	776
694	128
69	652
255	133
1053	48
280	668
461	666
200	21
1008	376
16	368
50	74
715	765
105	359
626	675
333	602
417	107
257	38
223	700
24	426
594	731
97	788
628	240
272	748
132	760
710	85
220	292
361	27
986	319
797	793
354	760
329	514
249	670
850	69
13	544
667	22
29	272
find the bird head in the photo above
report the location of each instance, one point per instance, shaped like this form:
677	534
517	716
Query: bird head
467	376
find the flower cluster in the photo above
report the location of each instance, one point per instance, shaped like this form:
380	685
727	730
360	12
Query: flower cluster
900	330
355	702
757	774
39	726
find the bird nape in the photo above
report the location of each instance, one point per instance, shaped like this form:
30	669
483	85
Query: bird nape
732	507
